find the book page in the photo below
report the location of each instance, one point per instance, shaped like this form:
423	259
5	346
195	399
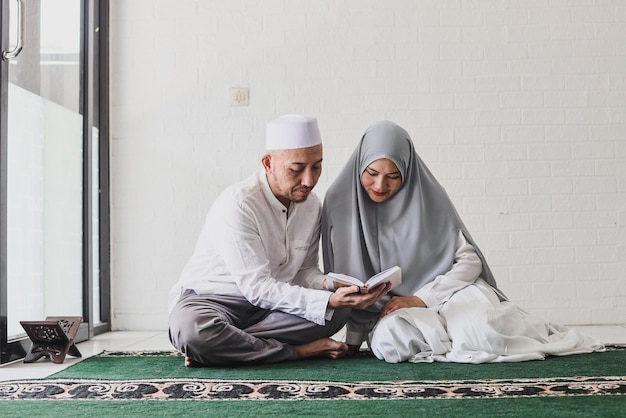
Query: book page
337	280
392	275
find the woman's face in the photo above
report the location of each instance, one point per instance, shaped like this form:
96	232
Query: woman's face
381	180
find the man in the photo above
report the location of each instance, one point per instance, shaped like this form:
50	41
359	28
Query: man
252	291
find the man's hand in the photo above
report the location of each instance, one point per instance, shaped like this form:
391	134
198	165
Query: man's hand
350	297
399	302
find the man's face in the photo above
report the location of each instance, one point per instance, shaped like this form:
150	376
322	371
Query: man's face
292	174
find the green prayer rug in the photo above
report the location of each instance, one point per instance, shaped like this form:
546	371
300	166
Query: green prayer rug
577	385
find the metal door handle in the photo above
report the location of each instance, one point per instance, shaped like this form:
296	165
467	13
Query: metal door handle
7	55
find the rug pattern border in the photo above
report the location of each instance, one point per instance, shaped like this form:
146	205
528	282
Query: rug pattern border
208	389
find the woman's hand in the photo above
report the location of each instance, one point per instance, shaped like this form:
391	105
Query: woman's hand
399	302
350	297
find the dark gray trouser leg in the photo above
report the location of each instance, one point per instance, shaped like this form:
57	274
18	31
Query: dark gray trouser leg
294	330
214	329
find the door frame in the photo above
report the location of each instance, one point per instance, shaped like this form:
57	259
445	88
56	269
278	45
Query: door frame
4	100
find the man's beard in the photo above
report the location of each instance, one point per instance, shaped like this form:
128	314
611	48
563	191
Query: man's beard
297	197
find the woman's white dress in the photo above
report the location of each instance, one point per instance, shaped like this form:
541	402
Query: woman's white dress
473	326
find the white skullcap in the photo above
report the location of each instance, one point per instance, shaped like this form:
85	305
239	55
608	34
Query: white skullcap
292	131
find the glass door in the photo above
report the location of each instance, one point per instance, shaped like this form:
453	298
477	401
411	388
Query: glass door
44	175
51	178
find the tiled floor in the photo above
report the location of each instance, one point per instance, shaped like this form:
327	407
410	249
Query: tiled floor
155	340
118	340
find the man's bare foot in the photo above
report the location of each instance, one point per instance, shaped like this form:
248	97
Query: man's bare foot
191	363
324	347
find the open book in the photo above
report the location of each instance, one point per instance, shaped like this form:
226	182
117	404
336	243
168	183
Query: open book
392	275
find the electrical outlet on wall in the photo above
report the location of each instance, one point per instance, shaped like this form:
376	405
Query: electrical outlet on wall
239	96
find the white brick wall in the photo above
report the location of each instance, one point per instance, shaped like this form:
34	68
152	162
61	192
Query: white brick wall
518	107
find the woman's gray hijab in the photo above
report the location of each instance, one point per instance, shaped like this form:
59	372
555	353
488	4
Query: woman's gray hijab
416	229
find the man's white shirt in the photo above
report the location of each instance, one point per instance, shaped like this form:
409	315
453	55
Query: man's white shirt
252	246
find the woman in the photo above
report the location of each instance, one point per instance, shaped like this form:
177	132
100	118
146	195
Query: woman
386	208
